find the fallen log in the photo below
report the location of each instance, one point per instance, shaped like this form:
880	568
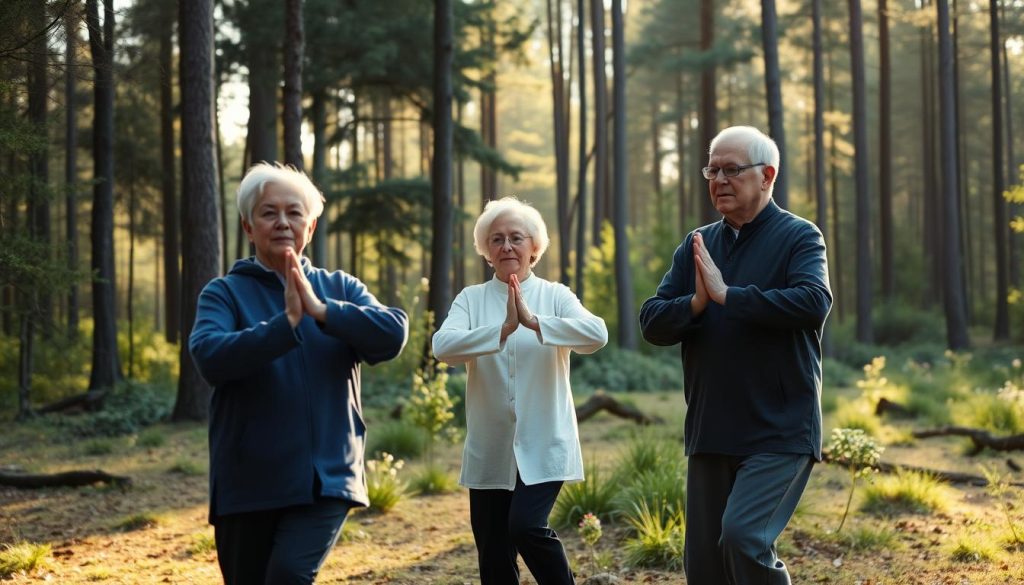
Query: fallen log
90	401
886	406
77	478
981	438
600	401
953	477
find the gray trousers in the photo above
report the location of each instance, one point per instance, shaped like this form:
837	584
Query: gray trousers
736	508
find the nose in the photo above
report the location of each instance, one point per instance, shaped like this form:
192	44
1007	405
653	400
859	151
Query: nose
506	245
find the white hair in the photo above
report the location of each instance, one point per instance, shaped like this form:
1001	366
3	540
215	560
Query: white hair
760	147
538	230
261	174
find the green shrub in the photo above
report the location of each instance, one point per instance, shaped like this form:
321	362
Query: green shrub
1000	412
151	439
857	414
594	494
400	438
836	374
972	551
22	557
659	538
128	409
660	489
647	451
619	370
97	447
905	492
383	487
434	480
899	324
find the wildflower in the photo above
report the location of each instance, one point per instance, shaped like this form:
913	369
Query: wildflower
590	529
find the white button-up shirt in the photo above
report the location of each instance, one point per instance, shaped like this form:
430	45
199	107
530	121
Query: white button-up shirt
519	410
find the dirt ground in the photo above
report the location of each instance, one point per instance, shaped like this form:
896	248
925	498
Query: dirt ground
427	539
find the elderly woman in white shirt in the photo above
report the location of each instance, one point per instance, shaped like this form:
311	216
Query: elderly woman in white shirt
514	335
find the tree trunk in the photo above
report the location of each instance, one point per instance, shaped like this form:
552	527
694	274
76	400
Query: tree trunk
861	161
39	168
292	117
773	90
131	266
820	194
459	242
441	165
708	107
837	243
319	119
263	80
623	269
71	165
201	231
600	120
1001	329
1012	172
561	135
956	320
581	171
885	153
25	351
172	274
105	363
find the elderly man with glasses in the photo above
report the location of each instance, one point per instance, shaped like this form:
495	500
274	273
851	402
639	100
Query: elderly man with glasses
746	298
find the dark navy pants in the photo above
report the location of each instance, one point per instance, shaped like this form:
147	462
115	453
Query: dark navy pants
507	523
736	508
278	547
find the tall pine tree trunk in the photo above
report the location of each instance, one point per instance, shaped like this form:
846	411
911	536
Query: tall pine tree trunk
708	105
885	153
105	363
561	135
623	270
71	164
1001	329
441	166
318	113
956	319
201	253
773	90
171	246
861	161
820	194
581	171
597	28
292	111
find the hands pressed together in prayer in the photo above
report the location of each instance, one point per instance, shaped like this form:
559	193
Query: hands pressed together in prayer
517	312
709	284
299	298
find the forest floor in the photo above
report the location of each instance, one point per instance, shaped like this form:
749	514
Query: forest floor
156	531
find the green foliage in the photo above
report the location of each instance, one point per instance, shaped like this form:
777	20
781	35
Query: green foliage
430	407
855	450
898	324
23	557
659	538
1000	412
972	551
620	370
595	495
867	538
129	408
398	438
433	480
904	492
383	487
661	490
151	439
835	373
1000	490
646	451
187	467
138	521
98	447
202	545
857	414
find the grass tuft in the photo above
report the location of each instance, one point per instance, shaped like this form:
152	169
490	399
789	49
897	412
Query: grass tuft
23	557
400	438
202	544
972	551
905	492
594	494
187	467
659	539
434	480
138	521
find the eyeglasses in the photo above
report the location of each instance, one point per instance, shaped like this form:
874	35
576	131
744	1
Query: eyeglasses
711	173
498	240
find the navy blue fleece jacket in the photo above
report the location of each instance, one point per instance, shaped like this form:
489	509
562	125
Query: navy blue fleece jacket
286	414
751	367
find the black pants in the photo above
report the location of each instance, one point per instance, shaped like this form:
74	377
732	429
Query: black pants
278	547
509	522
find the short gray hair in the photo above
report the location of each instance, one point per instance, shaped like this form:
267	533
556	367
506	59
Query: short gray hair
760	147
535	225
261	174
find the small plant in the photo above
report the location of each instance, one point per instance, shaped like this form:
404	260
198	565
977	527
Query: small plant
433	480
645	452
202	544
856	451
151	439
399	438
906	491
661	488
998	487
383	487
138	521
187	467
874	383
98	447
594	494
22	557
971	551
430	407
865	538
857	414
589	529
659	539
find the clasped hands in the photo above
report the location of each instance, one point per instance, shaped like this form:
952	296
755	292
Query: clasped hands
299	298
709	283
517	313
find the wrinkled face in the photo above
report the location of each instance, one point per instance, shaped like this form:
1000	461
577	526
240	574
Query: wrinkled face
738	198
279	222
510	247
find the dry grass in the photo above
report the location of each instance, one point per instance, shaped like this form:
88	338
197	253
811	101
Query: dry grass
427	539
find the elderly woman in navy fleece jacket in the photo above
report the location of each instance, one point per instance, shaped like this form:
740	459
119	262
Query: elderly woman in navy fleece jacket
281	342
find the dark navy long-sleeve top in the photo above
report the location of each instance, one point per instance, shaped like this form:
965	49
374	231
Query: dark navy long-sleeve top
286	414
751	367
